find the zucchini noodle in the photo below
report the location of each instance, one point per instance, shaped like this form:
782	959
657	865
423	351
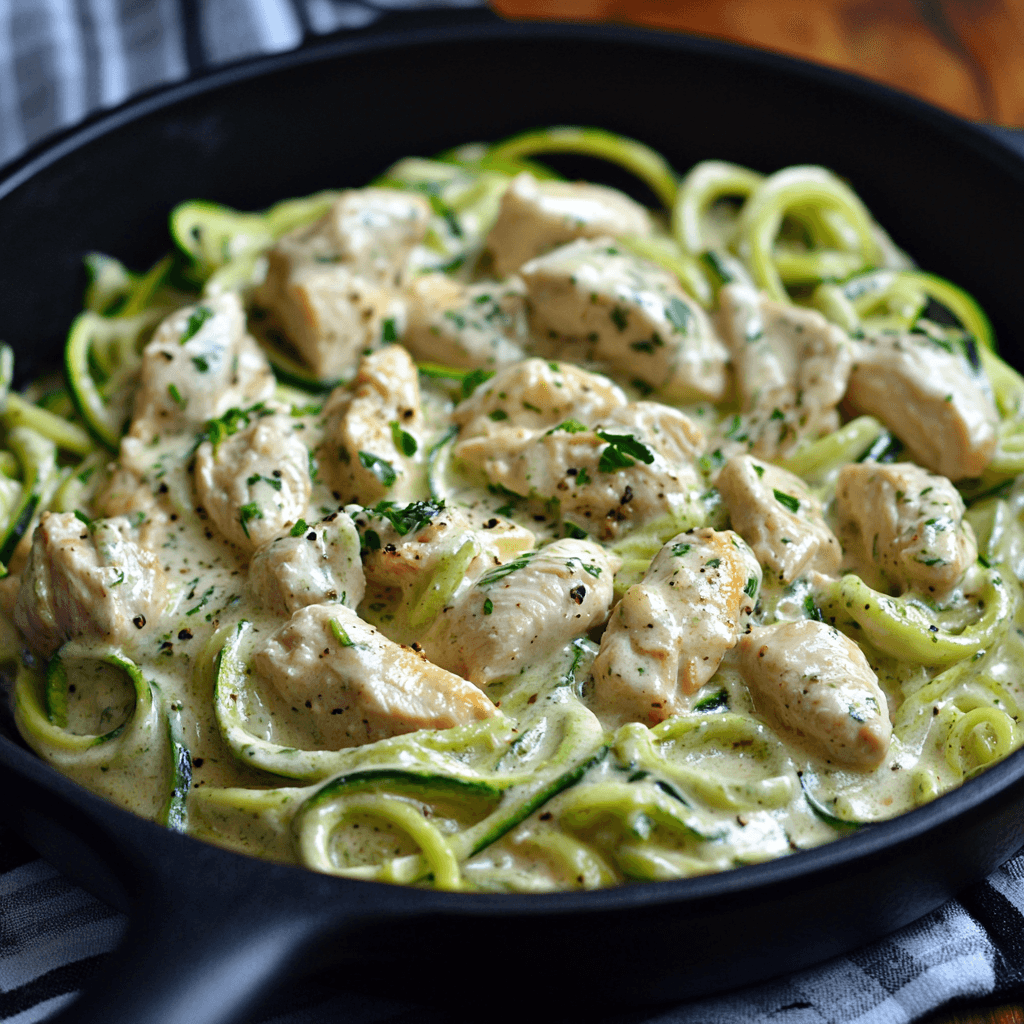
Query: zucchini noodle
401	676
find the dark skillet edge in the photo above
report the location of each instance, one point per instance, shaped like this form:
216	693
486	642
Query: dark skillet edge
126	860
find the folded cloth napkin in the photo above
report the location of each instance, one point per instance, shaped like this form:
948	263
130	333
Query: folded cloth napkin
61	60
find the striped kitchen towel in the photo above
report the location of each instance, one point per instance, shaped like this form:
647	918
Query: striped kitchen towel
60	60
53	937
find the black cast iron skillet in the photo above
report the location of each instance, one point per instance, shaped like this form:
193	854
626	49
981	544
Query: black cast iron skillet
211	931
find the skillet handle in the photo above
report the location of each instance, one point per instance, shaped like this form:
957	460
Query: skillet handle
208	948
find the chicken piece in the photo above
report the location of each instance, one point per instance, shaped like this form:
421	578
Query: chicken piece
930	398
668	635
792	368
331	285
637	463
523	611
373	441
200	363
537	216
88	581
256	482
356	684
903	528
634	314
313	565
775	513
476	326
532	396
813	682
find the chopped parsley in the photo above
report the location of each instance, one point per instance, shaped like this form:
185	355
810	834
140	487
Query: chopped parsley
680	549
488	606
82	517
389	330
201	363
713	702
623	451
619	317
498	415
408	518
298	529
404	441
679	315
341	635
249	511
570	427
230	423
380	468
501	571
751	587
786	500
172	390
195	323
713	563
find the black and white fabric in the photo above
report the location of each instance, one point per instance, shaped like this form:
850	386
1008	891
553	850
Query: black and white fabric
61	60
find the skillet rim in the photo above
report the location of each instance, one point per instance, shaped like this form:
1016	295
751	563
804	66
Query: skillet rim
863	846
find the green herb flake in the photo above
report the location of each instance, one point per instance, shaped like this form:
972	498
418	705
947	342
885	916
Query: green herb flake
570	427
497	415
371	539
680	549
298	529
82	517
201	363
172	390
811	610
582	477
408	518
619	317
338	630
488	606
473	380
403	440
786	500
759	470
713	563
120	578
713	702
257	477
248	512
380	468
679	315
195	323
751	587
622	452
389	330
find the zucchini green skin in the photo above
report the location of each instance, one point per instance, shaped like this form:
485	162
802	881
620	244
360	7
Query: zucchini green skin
39	470
425	783
520	813
89	404
821	812
175	811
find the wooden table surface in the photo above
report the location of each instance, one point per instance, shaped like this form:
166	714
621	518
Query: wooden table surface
964	55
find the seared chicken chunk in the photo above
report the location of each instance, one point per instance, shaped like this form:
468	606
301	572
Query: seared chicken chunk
523	610
668	635
536	216
815	683
356	684
781	520
637	463
903	528
331	285
87	581
533	396
792	367
472	326
200	363
929	398
314	565
375	431
256	482
632	314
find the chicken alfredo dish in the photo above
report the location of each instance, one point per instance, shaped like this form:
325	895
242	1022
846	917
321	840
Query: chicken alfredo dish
491	531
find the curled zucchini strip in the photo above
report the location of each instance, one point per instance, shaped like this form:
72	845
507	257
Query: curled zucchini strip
394	796
791	191
831	300
705	184
65	434
648	165
437	752
979	738
40	477
636	807
642	748
903	629
577	862
829	453
147	741
666	253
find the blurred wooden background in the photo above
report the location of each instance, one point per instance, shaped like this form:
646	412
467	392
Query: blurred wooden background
964	55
